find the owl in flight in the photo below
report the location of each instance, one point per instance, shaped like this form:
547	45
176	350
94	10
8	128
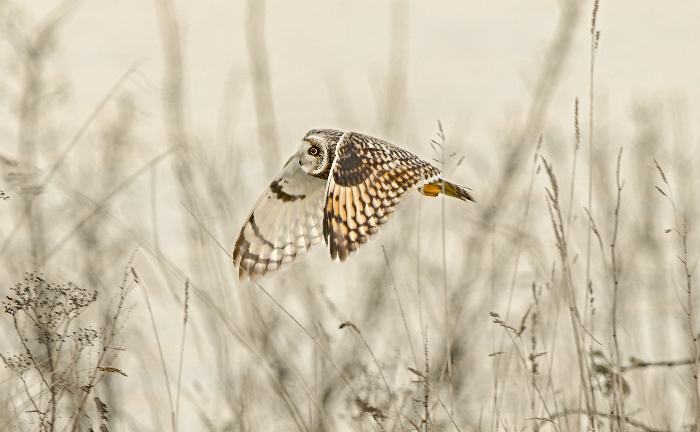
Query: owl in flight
340	185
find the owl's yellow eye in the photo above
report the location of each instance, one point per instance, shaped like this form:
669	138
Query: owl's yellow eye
313	151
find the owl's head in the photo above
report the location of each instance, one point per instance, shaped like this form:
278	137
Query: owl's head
318	151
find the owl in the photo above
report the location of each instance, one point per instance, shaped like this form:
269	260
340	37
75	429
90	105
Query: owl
339	186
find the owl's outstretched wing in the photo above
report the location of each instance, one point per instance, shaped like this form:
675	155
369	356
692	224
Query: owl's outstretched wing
284	223
369	177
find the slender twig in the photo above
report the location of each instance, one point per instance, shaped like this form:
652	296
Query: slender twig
692	329
617	385
52	387
448	336
681	229
641	364
495	406
426	385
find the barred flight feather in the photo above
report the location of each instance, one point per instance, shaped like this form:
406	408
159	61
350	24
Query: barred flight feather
284	223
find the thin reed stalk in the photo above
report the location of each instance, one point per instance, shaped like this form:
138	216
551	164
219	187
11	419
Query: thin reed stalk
576	325
182	354
445	299
423	328
577	144
617	384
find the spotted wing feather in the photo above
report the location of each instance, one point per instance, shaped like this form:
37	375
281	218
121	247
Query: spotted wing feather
368	179
284	223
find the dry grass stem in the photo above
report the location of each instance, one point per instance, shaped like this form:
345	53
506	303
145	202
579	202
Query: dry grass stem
618	408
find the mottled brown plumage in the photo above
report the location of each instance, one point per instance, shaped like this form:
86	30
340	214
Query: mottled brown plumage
345	185
368	179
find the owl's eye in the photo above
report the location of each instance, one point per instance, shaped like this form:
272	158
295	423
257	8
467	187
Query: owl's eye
313	151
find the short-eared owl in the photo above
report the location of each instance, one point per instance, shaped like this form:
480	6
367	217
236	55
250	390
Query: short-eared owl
342	185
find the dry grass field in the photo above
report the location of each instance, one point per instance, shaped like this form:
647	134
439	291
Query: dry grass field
135	137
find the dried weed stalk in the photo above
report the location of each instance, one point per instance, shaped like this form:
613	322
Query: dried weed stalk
681	229
56	361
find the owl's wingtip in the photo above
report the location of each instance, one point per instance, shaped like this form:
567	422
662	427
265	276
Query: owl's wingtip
249	276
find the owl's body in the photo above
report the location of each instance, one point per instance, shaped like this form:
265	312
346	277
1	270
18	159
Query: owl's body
341	186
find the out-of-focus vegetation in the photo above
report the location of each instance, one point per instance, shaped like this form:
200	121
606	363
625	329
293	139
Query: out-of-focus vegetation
562	300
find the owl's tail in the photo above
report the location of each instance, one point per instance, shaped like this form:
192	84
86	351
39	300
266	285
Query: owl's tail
452	190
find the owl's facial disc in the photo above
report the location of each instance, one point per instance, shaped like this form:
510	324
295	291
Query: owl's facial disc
313	155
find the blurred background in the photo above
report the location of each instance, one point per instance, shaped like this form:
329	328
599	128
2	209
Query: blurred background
136	136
